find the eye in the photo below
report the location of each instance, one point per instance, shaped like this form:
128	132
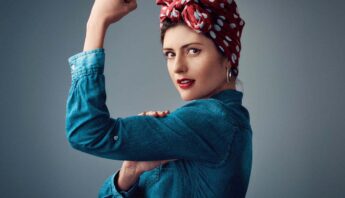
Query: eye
194	50
168	54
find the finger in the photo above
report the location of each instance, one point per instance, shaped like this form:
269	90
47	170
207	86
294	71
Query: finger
151	113
155	113
161	113
143	113
148	113
164	113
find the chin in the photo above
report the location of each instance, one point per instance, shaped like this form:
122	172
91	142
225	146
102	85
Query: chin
186	96
186	99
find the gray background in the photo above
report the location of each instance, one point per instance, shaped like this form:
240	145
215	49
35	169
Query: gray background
292	66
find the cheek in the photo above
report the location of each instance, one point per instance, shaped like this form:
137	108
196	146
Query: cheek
209	72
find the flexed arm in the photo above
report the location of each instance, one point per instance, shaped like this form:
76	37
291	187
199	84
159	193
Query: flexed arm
103	14
192	132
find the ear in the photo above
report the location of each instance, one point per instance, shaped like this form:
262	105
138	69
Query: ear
227	63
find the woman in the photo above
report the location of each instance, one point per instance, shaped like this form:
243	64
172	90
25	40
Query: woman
202	149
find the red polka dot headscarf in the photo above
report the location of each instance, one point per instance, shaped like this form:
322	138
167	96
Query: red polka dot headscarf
217	18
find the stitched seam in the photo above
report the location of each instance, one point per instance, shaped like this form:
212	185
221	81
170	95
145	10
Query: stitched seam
86	71
85	53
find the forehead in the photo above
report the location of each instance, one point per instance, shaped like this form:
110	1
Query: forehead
180	35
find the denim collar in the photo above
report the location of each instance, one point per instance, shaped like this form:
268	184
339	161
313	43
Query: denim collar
229	96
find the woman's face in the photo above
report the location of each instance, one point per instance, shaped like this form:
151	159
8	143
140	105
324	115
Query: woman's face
194	56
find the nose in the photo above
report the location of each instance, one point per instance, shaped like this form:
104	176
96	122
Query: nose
180	64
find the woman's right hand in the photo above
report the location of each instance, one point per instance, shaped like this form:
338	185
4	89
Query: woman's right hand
110	11
103	14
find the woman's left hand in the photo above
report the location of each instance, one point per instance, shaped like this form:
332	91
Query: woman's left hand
155	113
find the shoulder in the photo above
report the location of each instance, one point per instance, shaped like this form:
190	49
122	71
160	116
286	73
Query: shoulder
201	112
215	110
209	106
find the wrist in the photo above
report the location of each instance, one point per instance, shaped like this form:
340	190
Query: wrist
95	34
127	177
97	23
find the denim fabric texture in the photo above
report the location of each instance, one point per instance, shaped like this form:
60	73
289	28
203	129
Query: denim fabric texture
211	138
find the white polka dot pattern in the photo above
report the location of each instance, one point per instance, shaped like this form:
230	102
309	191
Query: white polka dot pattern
219	19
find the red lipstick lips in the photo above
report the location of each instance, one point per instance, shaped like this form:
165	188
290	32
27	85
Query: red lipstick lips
185	83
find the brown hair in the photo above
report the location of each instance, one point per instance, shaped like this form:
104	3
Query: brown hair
166	25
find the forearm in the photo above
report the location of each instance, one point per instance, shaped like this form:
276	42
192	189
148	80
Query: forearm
103	14
111	189
127	178
95	34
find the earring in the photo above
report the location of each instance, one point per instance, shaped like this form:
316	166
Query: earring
230	72
228	75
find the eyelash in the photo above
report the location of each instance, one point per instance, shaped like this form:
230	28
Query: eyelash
166	54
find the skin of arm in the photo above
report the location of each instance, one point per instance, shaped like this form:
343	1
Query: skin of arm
103	14
127	177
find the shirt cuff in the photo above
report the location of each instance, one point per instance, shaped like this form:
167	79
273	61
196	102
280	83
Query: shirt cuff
87	62
130	192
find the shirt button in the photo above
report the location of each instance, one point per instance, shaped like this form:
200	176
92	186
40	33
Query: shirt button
116	137
73	67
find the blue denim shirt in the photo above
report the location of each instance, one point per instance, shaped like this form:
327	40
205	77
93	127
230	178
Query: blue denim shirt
211	138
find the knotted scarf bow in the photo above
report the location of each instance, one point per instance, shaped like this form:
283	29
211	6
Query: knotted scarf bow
194	15
217	18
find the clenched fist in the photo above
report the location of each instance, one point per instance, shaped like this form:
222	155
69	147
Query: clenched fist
110	11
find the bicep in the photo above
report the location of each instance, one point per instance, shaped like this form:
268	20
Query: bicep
183	134
191	132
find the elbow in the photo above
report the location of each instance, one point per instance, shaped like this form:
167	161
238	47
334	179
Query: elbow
85	141
78	138
90	138
90	145
75	141
83	144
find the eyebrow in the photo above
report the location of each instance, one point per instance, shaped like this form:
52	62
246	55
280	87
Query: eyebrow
184	46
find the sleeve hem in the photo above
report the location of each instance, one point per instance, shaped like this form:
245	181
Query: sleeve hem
73	58
87	62
127	193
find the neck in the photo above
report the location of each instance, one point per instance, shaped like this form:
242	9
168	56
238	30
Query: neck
231	85
225	86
